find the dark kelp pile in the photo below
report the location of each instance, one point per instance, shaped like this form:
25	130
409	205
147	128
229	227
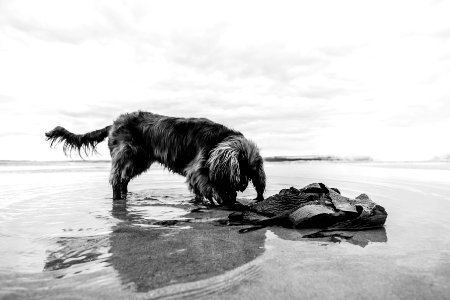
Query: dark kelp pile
314	206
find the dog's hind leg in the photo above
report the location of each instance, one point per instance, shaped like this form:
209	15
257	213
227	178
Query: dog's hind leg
127	162
132	170
119	184
124	187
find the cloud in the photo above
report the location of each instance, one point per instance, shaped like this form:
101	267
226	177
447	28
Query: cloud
13	134
91	111
420	115
5	99
67	22
443	33
208	54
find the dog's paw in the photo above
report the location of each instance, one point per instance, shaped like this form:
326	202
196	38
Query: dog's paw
259	199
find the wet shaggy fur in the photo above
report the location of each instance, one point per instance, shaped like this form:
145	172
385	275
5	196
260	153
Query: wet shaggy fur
216	161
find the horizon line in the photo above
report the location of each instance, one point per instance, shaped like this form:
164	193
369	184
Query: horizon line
277	158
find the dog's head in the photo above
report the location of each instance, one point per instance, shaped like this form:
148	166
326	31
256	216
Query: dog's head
234	162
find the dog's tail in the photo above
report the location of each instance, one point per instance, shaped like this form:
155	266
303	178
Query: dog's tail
72	141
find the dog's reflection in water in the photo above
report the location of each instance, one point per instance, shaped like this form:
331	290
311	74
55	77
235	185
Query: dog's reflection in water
156	254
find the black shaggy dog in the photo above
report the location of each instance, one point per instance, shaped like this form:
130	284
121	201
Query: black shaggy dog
216	161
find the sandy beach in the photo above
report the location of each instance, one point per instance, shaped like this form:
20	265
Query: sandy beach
61	237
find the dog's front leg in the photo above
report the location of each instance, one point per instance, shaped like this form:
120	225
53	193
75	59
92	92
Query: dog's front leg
198	182
199	198
211	200
207	191
225	198
218	197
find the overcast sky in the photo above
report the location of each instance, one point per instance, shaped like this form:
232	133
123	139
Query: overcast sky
298	77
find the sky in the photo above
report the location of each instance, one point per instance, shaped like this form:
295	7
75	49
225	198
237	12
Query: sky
344	78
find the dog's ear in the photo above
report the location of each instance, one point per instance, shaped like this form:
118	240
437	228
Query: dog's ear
223	164
255	165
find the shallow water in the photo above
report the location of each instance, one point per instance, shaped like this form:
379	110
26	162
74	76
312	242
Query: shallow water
61	237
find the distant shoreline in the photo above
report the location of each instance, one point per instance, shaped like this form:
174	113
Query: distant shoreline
316	158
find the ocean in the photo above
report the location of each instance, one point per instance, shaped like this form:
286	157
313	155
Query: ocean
61	236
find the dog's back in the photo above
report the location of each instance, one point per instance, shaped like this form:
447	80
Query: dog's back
171	141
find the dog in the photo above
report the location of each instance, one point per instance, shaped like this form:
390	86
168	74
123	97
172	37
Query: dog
216	161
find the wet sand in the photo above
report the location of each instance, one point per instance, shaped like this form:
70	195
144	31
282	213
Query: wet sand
60	237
